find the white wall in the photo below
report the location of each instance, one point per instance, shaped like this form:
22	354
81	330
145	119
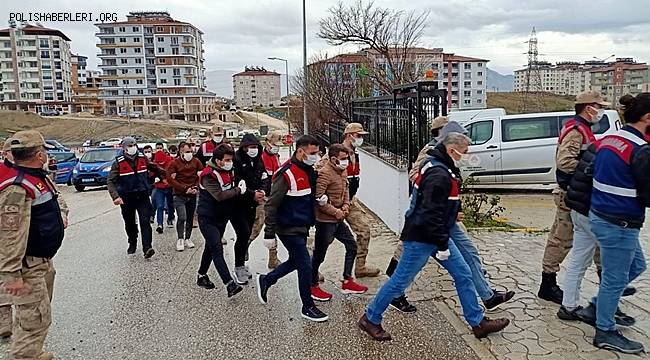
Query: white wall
384	190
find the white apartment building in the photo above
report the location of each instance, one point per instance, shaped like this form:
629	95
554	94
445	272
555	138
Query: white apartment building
256	86
35	69
563	78
154	65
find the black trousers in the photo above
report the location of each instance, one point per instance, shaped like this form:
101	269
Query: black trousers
141	204
325	235
185	207
242	222
213	250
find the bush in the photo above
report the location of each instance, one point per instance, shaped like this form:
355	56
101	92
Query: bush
480	209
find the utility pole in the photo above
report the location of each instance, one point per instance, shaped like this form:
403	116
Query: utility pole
533	92
286	69
305	123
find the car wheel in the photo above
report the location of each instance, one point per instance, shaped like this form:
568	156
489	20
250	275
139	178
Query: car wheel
79	188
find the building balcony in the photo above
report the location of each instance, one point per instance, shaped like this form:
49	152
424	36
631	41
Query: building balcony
105	33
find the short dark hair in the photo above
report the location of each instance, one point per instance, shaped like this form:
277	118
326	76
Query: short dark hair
173	148
635	107
222	150
24	154
161	144
580	107
306	140
336	149
147	147
183	144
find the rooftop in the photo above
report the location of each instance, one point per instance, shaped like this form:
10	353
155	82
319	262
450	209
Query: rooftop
255	71
30	29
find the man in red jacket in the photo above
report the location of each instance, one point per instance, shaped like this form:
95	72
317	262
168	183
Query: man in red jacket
162	196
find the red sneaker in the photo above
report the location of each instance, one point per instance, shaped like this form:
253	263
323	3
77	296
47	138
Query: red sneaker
351	287
319	294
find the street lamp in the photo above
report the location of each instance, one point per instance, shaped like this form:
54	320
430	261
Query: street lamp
286	69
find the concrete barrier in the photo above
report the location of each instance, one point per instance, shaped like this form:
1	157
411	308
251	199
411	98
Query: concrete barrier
384	190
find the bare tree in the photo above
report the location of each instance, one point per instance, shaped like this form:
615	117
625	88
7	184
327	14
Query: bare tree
389	37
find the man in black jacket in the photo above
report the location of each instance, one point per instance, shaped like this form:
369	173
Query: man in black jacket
433	212
250	168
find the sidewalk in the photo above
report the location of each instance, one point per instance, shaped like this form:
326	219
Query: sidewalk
513	261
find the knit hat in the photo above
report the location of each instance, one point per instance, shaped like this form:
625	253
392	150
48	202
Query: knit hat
128	141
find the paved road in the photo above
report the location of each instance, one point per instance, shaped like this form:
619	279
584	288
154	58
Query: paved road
108	305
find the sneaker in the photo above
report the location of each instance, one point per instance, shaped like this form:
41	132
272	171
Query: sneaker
568	315
314	314
189	244
321	278
629	291
224	241
488	326
348	286
151	220
248	272
497	299
240	275
170	223
149	253
375	331
131	249
588	316
319	294
262	288
623	319
204	282
614	340
45	355
403	305
233	289
180	245
159	229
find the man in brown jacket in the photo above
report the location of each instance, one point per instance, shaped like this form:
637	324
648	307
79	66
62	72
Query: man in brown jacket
183	176
333	206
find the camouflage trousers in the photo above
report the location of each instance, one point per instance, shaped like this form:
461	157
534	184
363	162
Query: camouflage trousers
560	237
357	219
32	311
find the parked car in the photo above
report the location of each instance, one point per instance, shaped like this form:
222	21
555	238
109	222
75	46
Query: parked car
57	145
129	114
50	112
520	149
93	168
65	162
111	142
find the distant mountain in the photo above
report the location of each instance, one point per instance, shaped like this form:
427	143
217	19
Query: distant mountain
220	82
499	83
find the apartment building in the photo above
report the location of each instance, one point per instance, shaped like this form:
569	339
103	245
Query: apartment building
153	65
256	86
562	78
35	69
624	76
85	87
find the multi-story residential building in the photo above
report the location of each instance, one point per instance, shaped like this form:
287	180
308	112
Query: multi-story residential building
256	86
154	65
35	69
623	76
465	78
563	78
85	87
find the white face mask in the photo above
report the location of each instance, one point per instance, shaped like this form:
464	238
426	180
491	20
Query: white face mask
217	139
343	164
252	152
358	142
274	150
311	159
187	156
131	150
148	155
227	165
599	114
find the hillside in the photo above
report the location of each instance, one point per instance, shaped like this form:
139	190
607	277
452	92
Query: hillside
499	83
513	102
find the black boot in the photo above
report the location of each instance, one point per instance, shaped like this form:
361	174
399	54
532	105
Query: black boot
392	265
549	290
629	290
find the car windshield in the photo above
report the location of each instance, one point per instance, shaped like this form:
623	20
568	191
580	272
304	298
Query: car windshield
62	156
98	156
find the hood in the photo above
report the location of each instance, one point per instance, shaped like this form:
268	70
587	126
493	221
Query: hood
93	167
451	127
248	140
160	158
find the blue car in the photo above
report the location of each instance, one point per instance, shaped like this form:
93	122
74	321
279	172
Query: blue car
65	163
93	168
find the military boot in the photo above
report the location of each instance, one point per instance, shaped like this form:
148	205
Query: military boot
362	270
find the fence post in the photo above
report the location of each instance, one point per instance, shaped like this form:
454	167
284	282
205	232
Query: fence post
377	126
409	131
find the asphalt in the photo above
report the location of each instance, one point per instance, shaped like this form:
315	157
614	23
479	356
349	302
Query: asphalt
110	305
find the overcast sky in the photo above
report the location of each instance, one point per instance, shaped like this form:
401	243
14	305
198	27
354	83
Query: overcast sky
246	32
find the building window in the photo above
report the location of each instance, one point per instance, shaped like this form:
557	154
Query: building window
479	92
138	61
122	29
479	101
479	83
49	96
174	51
122	51
139	82
138	71
45	54
136	28
480	64
467	66
123	40
467	75
161	39
140	92
55	43
161	50
467	102
124	71
480	73
136	39
163	71
467	93
163	81
159	28
177	81
126	92
177	72
125	82
467	84
123	61
44	43
137	50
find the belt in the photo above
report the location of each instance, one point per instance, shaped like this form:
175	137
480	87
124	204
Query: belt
628	224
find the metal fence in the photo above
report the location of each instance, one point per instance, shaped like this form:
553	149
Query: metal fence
398	124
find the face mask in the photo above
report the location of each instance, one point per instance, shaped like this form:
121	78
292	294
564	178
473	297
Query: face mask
311	159
148	155
599	114
358	142
462	160
343	164
252	152
227	166
274	150
217	139
131	150
187	156
172	153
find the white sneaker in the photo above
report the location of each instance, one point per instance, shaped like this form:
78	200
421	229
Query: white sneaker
180	245
189	244
248	272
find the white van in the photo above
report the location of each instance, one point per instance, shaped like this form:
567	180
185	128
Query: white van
520	149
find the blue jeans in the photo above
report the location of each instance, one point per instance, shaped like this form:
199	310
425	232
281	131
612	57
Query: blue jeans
299	260
413	259
622	261
163	199
582	253
470	254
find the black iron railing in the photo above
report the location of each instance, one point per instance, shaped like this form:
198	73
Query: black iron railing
398	124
